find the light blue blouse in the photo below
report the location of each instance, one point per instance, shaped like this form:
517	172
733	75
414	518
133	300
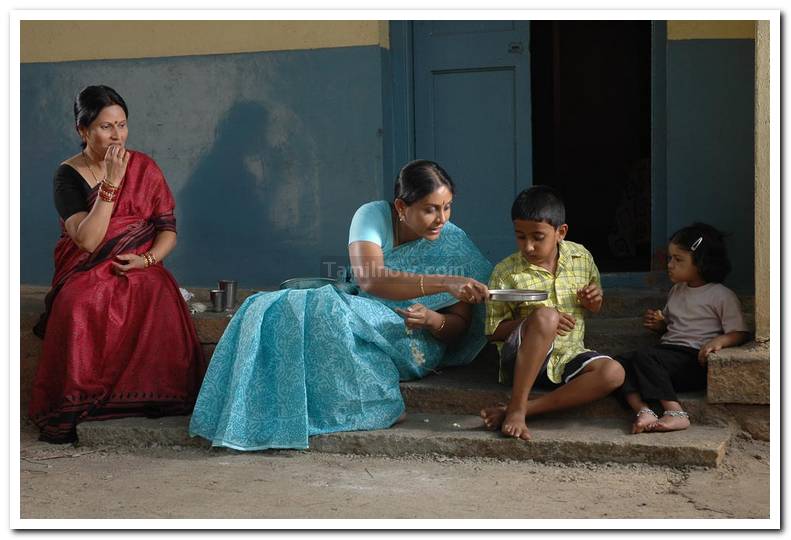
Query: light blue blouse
373	222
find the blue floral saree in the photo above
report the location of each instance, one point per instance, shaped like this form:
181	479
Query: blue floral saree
297	363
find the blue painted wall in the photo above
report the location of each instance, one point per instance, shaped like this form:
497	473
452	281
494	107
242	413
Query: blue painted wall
710	144
267	154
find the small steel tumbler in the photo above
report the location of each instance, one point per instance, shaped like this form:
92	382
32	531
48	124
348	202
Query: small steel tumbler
229	286
217	299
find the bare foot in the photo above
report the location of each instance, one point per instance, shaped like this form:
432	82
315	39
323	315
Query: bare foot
493	416
643	421
514	425
670	423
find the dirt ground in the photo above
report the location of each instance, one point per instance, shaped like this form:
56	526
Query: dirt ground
73	482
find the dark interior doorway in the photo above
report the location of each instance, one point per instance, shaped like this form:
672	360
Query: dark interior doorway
591	92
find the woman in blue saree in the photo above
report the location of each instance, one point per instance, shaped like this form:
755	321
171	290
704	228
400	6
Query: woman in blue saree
297	363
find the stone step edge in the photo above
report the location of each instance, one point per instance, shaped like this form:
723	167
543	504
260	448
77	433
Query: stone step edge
418	437
495	446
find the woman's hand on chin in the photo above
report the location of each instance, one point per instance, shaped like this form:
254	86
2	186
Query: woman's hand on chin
116	159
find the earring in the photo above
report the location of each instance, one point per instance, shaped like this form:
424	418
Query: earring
401	217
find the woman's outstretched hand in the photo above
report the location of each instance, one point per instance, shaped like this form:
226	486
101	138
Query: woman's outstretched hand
468	290
128	261
116	159
419	316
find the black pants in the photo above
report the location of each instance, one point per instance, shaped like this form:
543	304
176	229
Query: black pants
658	372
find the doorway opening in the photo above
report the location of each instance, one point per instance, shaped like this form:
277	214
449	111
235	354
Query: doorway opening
591	116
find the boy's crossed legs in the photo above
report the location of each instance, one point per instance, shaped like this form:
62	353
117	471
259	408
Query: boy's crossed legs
596	379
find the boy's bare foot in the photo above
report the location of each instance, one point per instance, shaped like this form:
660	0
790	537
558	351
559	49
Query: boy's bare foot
671	421
644	419
514	425
493	416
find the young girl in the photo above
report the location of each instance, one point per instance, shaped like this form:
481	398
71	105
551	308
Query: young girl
701	316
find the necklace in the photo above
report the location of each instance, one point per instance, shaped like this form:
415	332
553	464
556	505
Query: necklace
88	163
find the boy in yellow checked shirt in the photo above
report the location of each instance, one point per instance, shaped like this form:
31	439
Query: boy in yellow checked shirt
543	342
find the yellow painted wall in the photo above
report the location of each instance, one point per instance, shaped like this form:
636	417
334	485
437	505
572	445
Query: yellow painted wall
60	41
710	30
762	226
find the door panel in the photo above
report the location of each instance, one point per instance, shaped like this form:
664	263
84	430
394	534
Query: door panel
468	107
472	116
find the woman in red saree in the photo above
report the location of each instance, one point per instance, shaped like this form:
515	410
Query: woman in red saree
118	337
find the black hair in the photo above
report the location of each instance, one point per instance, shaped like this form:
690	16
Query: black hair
539	203
90	102
420	178
707	246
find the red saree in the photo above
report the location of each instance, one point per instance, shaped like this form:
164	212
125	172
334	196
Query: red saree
116	346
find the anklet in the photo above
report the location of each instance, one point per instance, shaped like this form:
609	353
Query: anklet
676	413
647	411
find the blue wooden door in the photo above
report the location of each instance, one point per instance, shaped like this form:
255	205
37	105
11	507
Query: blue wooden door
472	116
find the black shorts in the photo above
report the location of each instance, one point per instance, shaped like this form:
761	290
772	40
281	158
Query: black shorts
571	369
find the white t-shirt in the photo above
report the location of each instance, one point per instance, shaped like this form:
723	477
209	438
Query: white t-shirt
695	315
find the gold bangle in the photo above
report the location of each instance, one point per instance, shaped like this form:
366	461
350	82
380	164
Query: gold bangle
441	326
422	290
150	259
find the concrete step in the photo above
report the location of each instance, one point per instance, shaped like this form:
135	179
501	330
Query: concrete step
632	302
625	302
617	335
468	389
462	436
606	335
740	375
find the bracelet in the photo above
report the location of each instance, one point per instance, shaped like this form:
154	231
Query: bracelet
422	290
438	330
150	259
107	191
441	326
109	186
106	197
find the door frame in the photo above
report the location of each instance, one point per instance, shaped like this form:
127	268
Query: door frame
659	232
401	141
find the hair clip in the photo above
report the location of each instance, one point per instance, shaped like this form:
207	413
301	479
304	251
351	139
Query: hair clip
696	244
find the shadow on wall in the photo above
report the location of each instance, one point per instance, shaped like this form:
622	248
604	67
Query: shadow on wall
225	215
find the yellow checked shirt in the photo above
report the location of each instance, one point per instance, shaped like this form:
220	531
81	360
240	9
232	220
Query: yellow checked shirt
575	270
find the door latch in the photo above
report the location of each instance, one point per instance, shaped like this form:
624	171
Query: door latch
515	47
